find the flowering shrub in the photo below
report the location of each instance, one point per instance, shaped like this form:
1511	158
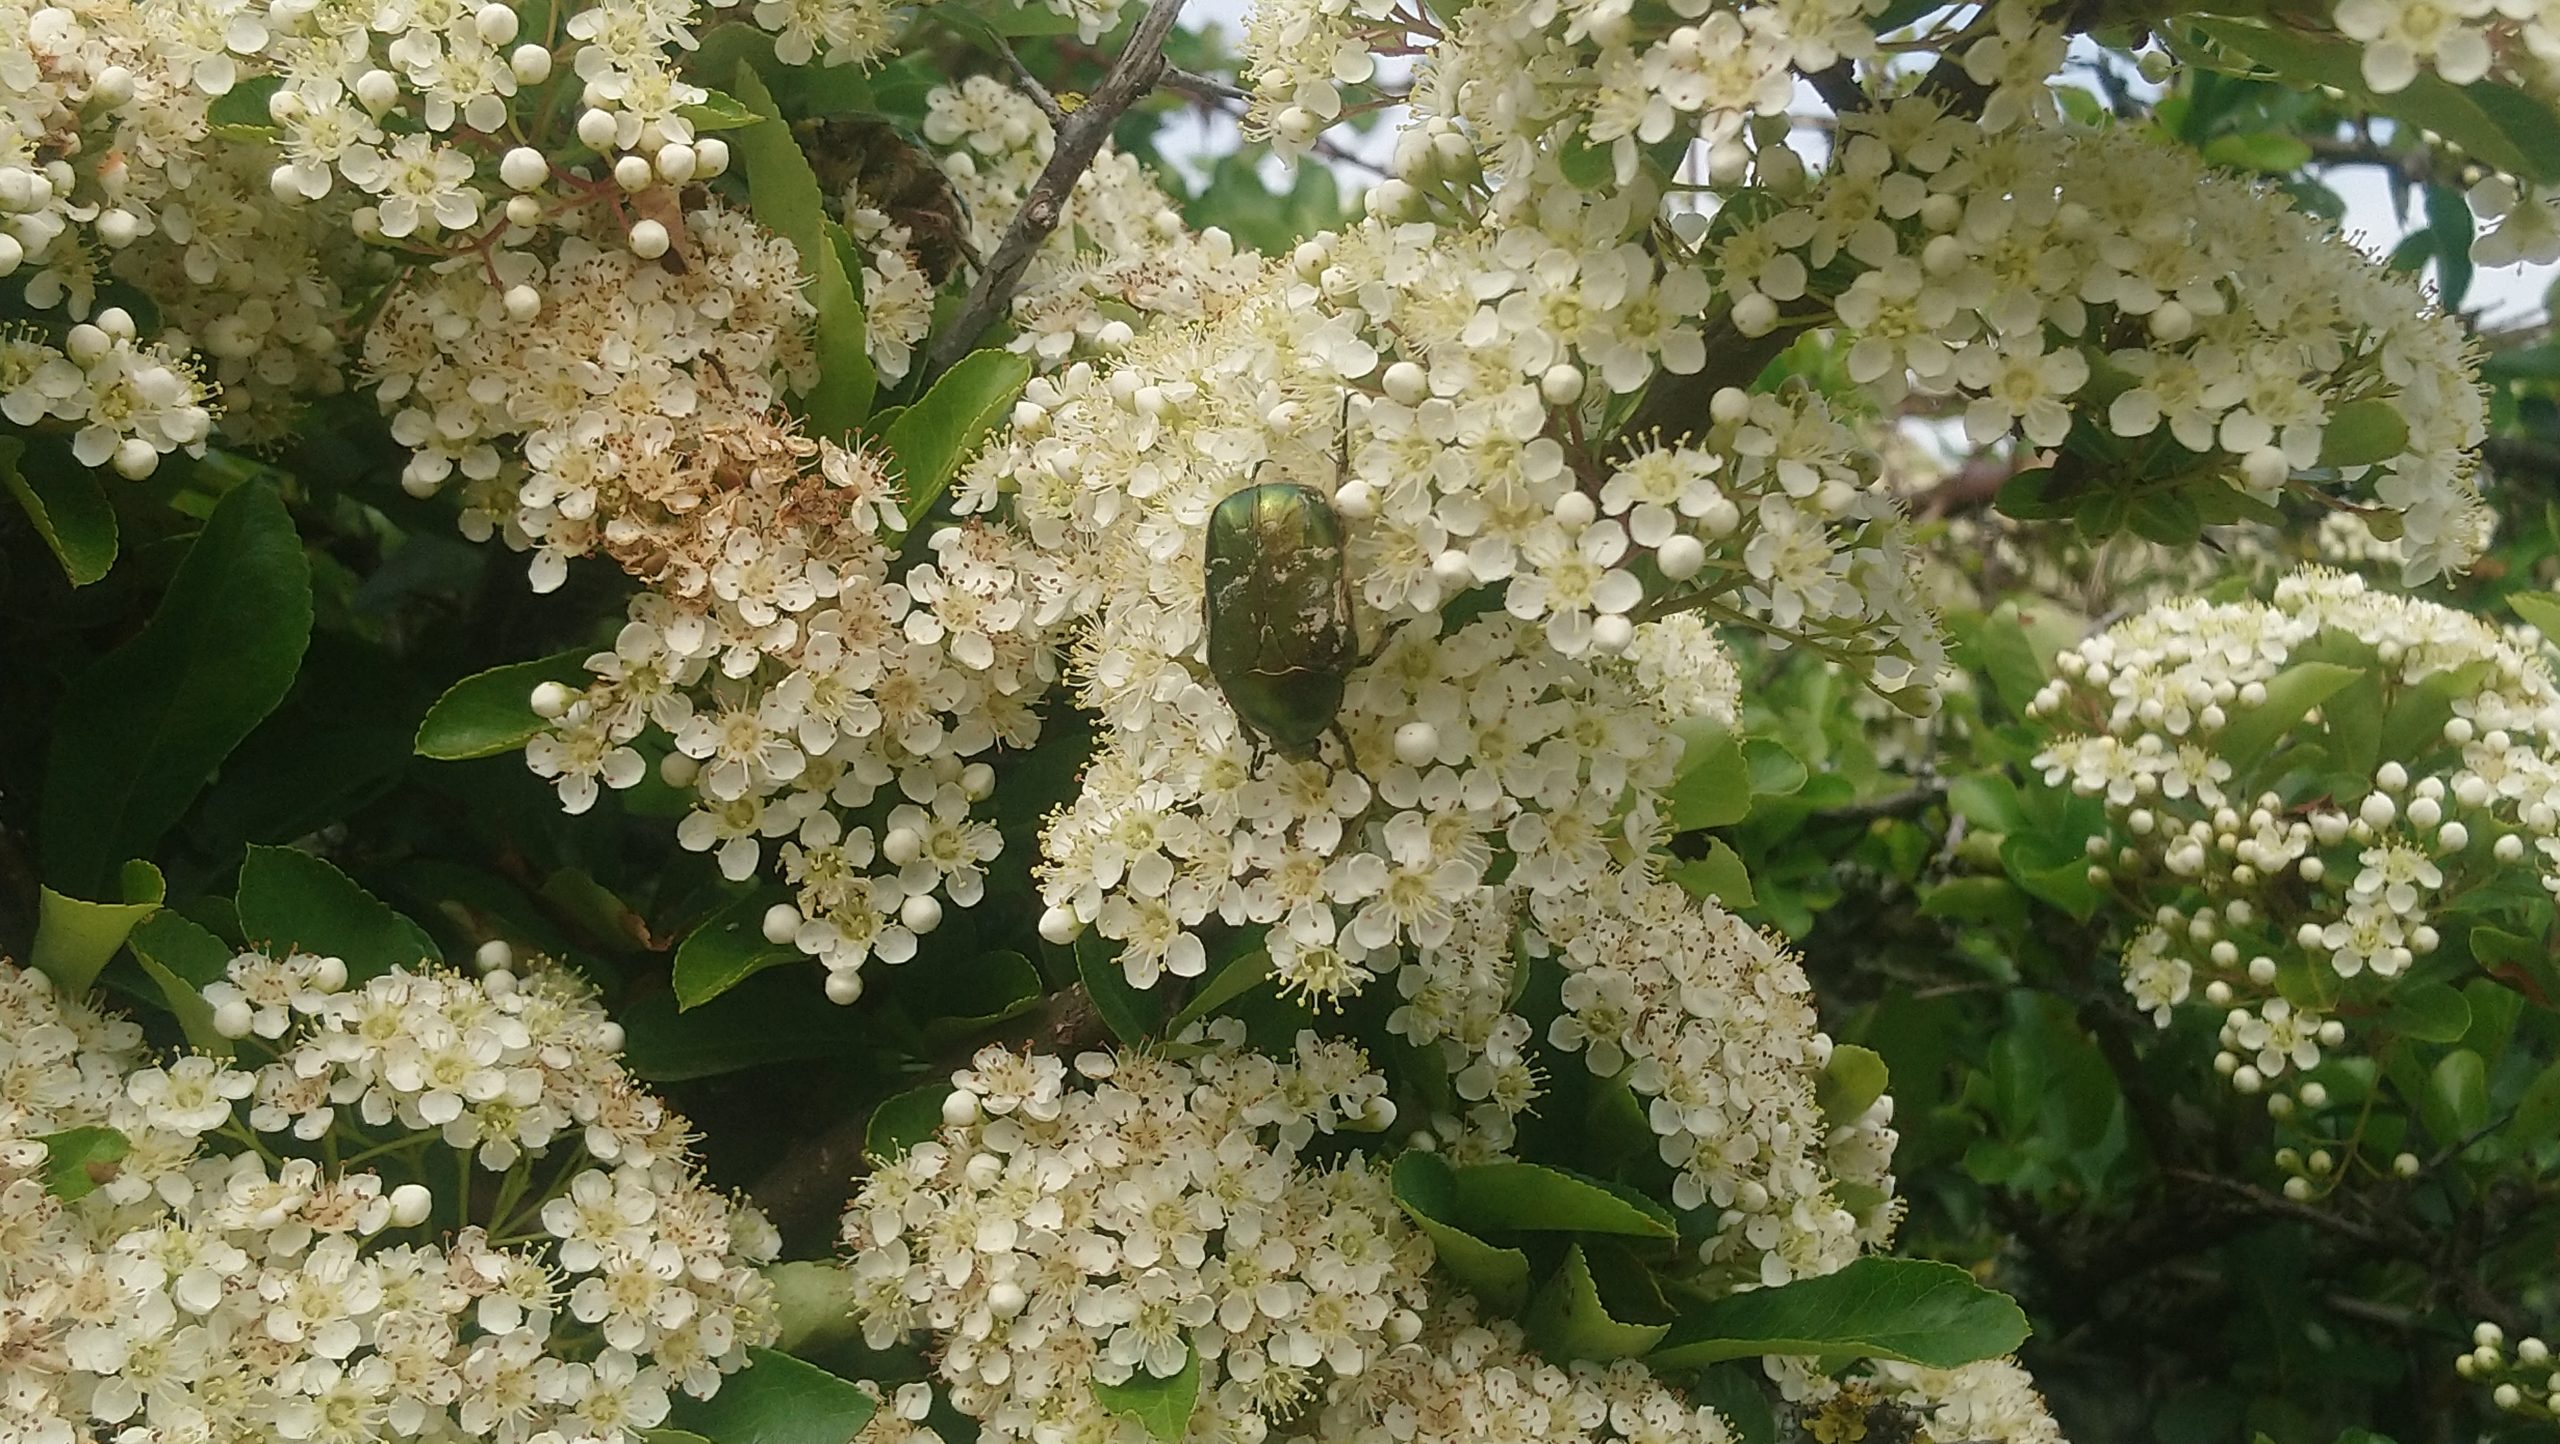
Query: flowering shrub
1603	794
501	1234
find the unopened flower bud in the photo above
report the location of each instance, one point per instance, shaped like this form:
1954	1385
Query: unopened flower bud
597	128
648	240
844	988
921	913
781	924
376	90
551	699
531	63
410	1205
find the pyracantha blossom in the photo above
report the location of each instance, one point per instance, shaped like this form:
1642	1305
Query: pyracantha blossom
227	1278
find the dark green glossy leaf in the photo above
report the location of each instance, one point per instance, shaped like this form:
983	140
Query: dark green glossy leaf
1570	1319
1910	1310
903	1120
1130	1013
777	1399
69	510
945	426
1426	1190
292	901
785	195
1532	1196
180	957
138	734
2431	1011
727	948
491	712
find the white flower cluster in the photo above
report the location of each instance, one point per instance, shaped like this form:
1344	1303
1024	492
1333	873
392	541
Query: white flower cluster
579	425
1448	363
1709	1022
102	108
2517	41
1988	1402
2229	331
2297	879
2523	1381
1114	1224
784	676
1464	1381
221	1281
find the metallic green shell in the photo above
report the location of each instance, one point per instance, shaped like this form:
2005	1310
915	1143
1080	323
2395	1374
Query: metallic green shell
1281	640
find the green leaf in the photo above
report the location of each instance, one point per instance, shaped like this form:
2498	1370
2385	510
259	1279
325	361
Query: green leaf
2270	151
2537	1117
1570	1320
1775	771
903	1120
727	948
1912	1311
777	1399
1425	1189
932	437
2361	433
1850	1085
1719	876
1988	800
181	957
1162	1407
783	191
70	511
1713	788
74	939
771	1021
2431	1011
1130	1013
2031	496
960	997
2458	1096
244	105
491	712
292	901
2252	732
813	1302
1532	1196
1974	899
2499	125
2538	610
77	1160
716	111
1229	983
140	732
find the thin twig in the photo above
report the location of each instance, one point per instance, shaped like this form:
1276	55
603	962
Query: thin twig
1079	140
1030	83
1208	85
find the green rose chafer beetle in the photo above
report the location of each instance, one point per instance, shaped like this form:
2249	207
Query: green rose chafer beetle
1281	638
